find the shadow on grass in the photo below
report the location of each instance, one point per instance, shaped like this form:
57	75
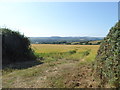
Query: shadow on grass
22	65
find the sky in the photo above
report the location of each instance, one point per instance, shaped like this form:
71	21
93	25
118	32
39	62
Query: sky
44	19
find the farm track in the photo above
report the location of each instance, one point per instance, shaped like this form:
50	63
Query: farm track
57	74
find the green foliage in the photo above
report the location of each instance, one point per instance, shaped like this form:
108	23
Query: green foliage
86	53
15	47
107	61
72	51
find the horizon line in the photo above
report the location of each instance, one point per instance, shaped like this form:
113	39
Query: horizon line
67	36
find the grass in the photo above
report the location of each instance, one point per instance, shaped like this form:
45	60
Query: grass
47	48
63	66
65	51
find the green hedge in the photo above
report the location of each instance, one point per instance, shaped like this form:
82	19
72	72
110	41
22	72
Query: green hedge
15	47
107	66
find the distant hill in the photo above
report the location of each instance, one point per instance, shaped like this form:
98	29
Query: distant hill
43	40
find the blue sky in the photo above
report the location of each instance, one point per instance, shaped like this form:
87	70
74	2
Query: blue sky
43	19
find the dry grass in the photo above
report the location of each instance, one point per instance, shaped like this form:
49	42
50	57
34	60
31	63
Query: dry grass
47	48
53	48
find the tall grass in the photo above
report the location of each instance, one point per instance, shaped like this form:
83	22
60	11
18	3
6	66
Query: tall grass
48	52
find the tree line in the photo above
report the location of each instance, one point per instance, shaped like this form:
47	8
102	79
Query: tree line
70	43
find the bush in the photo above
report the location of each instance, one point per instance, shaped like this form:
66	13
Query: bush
72	51
107	66
15	47
86	53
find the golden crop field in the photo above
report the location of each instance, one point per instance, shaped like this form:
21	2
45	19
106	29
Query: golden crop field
47	48
56	48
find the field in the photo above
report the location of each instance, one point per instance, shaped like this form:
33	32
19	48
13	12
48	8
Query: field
56	66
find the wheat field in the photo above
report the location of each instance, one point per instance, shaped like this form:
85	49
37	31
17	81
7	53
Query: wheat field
56	48
47	48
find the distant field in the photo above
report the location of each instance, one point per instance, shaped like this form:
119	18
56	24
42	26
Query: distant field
62	66
47	48
94	42
56	48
